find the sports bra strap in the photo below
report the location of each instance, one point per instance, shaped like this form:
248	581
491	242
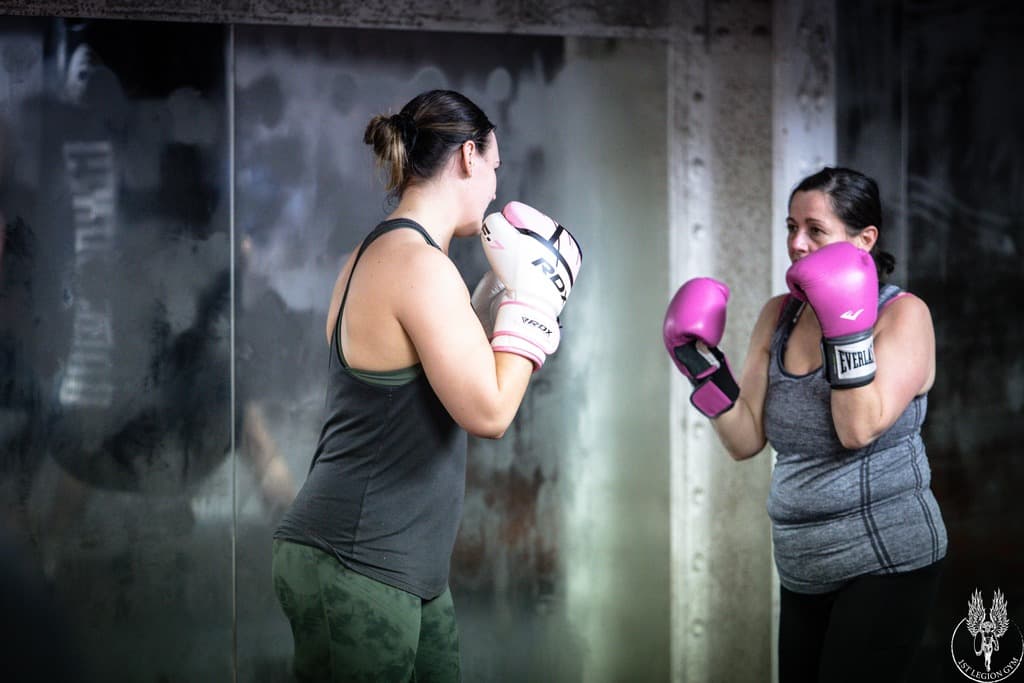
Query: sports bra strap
890	293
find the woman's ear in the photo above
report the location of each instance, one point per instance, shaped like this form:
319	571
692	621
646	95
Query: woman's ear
467	151
867	238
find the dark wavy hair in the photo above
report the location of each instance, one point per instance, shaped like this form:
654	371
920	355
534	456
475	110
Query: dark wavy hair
854	199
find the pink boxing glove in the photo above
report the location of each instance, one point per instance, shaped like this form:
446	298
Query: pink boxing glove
840	283
694	323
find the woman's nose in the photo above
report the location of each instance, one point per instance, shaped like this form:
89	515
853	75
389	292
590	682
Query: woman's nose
798	241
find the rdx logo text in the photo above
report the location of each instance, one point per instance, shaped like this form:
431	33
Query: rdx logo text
536	323
553	275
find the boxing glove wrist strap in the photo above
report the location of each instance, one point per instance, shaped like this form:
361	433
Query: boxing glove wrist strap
716	394
850	360
699	360
714	387
525	330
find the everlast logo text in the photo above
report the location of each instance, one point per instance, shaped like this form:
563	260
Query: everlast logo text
555	278
851	361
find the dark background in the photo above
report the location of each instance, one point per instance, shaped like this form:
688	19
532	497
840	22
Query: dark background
930	102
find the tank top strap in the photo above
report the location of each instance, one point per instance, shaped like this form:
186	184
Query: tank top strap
381	228
399	376
789	310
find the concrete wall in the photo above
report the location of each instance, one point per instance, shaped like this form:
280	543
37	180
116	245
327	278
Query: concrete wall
721	171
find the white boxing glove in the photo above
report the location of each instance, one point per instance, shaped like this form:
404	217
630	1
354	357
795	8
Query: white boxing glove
486	299
537	260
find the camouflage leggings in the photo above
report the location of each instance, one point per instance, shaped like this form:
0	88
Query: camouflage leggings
348	627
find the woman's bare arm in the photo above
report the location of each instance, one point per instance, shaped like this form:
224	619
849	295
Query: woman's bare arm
741	428
905	356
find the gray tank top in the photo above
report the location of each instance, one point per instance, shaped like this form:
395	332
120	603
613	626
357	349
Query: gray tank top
385	488
836	513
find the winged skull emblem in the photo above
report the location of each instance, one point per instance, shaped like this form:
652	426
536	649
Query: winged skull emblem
987	631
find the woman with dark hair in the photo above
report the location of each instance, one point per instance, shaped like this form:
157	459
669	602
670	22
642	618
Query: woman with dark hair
836	381
361	557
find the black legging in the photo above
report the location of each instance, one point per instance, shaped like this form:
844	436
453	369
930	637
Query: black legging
868	630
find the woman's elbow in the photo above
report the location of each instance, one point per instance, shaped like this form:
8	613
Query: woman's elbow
741	444
486	426
738	454
854	439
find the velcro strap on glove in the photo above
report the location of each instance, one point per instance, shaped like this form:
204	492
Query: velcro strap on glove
715	389
697	359
850	360
525	330
717	393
